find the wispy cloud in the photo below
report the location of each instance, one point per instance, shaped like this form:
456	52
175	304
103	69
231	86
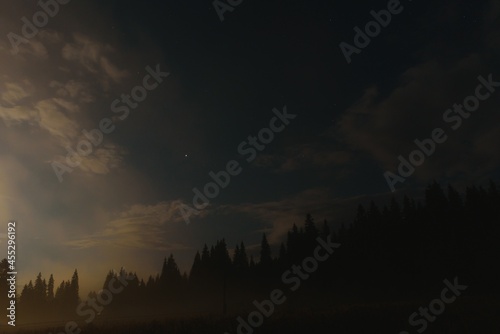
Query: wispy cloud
91	55
140	226
304	156
280	215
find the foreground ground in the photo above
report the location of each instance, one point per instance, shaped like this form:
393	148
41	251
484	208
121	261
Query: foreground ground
468	316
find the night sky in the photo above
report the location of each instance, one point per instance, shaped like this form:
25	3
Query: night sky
227	80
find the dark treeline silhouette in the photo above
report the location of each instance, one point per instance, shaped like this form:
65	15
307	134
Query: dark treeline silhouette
40	300
400	252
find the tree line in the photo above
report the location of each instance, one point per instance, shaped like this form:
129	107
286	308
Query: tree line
401	251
